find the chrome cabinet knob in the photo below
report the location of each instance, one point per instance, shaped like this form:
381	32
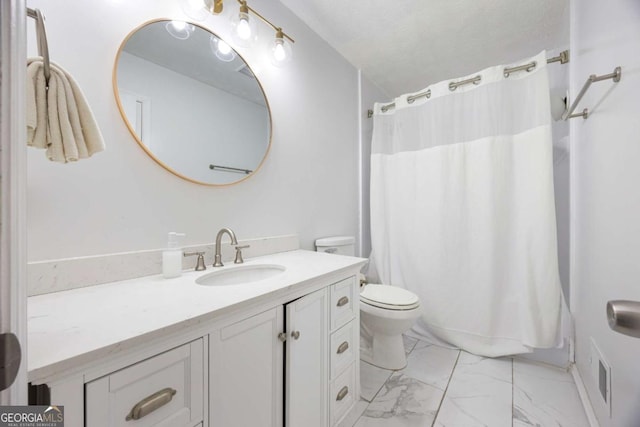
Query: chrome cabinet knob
295	335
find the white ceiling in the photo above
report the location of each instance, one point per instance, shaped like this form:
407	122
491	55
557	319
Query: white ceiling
405	45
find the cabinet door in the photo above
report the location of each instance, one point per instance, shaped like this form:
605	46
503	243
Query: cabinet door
307	361
246	364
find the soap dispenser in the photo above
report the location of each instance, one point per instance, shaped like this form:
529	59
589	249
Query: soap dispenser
172	257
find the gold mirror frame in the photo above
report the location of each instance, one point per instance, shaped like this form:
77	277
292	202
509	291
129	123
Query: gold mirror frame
137	137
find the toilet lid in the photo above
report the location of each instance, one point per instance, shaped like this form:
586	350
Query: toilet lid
389	297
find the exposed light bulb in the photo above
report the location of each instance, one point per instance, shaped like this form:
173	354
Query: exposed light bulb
279	53
180	29
280	50
195	9
243	29
223	47
195	4
178	25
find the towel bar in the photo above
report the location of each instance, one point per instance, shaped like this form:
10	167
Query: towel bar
230	169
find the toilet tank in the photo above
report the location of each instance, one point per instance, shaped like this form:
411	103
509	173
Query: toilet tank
341	245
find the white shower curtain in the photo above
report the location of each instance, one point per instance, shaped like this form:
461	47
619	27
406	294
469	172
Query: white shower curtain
462	210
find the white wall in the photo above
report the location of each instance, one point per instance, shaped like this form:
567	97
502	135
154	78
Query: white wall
606	196
193	125
121	200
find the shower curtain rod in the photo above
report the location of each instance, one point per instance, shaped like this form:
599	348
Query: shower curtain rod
562	58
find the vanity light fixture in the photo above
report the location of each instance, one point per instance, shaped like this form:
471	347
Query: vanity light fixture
244	31
180	29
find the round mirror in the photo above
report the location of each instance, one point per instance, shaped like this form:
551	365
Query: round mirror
192	102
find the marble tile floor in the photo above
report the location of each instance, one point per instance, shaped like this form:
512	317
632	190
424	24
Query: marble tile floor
450	388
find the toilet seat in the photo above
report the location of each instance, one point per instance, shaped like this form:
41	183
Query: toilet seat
389	297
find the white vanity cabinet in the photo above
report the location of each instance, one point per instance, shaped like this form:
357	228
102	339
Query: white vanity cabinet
316	336
283	352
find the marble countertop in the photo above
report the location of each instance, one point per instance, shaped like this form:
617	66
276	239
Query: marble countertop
66	329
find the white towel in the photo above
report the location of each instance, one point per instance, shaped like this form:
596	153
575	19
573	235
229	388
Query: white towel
59	119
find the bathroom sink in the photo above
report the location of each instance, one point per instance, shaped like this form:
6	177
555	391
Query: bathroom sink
241	275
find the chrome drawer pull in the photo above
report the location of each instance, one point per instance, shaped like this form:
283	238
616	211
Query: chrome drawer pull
343	301
151	403
343	393
343	347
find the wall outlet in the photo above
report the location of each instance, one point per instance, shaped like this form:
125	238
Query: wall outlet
601	374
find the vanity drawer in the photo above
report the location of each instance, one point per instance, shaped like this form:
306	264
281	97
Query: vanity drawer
342	395
343	302
344	345
165	390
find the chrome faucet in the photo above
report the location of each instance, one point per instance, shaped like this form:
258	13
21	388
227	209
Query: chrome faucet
217	259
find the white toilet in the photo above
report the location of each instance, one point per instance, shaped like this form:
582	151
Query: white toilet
386	312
